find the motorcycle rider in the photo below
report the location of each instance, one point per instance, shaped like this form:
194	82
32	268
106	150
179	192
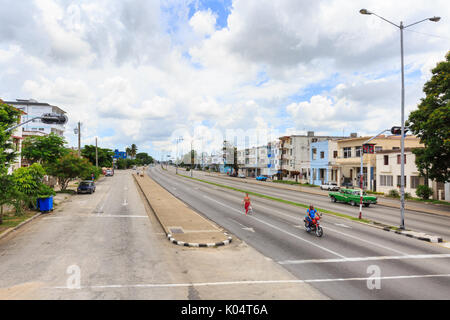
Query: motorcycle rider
311	216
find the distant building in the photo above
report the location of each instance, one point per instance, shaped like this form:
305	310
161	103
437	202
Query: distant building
33	108
17	138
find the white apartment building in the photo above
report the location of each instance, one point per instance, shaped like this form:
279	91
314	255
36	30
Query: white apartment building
261	160
32	108
388	173
16	137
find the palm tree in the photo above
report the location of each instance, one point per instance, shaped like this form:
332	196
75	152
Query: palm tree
128	151
134	150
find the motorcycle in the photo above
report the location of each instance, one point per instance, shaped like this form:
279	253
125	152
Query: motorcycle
315	227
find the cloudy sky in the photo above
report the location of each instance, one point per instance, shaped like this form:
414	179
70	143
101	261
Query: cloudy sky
146	72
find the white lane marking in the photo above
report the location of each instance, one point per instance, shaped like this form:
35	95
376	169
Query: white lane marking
341	233
227	283
125	202
359	259
243	226
277	228
97	216
342	225
370	242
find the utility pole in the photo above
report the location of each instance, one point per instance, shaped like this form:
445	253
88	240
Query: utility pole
79	139
96	153
176	158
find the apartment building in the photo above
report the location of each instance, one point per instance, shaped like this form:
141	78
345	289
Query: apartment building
33	108
295	155
17	138
348	161
323	157
260	160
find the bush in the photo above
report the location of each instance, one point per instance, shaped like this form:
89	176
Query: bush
93	170
424	192
394	193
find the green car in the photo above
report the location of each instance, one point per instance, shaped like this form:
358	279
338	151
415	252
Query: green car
352	196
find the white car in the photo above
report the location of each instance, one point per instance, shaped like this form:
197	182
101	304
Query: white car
332	186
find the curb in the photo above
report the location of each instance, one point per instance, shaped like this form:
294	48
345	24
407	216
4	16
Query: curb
416	235
4	234
201	245
181	243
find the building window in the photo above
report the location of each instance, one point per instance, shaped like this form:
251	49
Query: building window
322	155
358	151
314	154
347	152
378	149
335	154
399	157
386	181
386	160
399	181
414	182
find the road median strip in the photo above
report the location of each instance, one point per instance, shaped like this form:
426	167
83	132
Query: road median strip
409	233
182	225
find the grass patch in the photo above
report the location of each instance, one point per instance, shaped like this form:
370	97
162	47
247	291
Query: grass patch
69	191
10	220
297	204
295	183
430	201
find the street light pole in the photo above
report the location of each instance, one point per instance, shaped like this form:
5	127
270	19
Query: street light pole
179	139
402	139
96	153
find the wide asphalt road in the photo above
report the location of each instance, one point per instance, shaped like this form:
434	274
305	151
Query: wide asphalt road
106	238
351	260
429	223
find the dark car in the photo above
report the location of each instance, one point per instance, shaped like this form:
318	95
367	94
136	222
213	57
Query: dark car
86	187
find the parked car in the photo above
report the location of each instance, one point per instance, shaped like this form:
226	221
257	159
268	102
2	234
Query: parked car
332	186
241	175
86	187
261	178
109	173
352	196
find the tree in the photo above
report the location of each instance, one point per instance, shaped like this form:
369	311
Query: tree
105	156
45	149
144	158
9	116
69	167
133	150
431	123
28	186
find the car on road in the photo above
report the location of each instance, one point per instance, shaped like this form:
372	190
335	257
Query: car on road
331	186
261	178
352	196
109	173
241	175
86	187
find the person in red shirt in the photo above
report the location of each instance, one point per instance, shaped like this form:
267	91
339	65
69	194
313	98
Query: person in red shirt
246	203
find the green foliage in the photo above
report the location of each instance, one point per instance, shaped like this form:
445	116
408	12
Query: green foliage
28	186
46	149
105	156
93	170
69	167
431	123
144	158
9	116
424	192
394	193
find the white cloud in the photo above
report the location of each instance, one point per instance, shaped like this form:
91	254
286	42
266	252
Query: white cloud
203	22
137	72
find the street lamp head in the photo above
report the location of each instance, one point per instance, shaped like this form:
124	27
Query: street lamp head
54	118
365	11
435	19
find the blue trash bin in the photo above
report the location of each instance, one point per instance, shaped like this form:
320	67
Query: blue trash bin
45	204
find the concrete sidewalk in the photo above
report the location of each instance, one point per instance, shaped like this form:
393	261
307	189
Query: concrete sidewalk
182	225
